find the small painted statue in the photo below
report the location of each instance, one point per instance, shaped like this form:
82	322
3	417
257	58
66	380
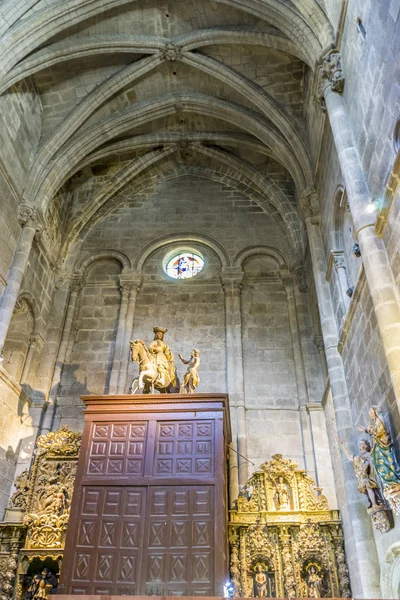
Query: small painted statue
191	379
382	453
366	474
42	585
260	583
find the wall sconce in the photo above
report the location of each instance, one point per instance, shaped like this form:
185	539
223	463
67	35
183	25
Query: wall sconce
356	250
350	291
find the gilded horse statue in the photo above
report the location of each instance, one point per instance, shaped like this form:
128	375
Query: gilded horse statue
152	374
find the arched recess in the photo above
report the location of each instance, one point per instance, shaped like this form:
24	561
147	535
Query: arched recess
343	238
22	326
277	257
83	265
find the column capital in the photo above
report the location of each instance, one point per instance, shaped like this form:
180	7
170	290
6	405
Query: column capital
300	276
77	283
60	277
27	214
329	74
336	260
130	280
319	342
232	279
296	276
35	339
287	279
308	204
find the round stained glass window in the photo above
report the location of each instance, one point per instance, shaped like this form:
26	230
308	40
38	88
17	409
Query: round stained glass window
184	265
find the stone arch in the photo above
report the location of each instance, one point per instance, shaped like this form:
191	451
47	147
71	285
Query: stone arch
261	100
224	175
60	52
188	238
305	24
390	572
50	176
273	253
86	261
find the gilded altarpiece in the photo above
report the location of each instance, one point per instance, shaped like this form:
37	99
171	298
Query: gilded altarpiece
284	540
35	524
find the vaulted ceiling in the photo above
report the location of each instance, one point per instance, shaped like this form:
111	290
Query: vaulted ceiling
127	87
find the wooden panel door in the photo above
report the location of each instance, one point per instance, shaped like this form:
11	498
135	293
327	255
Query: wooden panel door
109	537
178	557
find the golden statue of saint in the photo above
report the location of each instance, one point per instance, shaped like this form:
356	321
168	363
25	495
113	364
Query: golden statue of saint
164	358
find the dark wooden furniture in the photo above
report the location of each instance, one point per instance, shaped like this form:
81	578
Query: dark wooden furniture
149	510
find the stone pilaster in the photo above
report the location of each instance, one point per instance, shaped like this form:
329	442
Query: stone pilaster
35	344
382	286
75	290
288	281
232	278
27	218
125	288
131	281
363	559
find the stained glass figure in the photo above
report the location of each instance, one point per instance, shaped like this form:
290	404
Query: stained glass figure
185	265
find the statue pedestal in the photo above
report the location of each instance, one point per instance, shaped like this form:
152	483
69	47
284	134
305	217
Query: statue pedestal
149	511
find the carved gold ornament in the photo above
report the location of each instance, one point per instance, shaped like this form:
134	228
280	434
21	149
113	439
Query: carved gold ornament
282	521
61	443
44	495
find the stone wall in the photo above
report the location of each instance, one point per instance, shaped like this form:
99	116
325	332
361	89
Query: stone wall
193	311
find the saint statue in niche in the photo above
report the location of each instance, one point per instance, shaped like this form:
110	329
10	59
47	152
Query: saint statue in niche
366	474
384	458
263	582
313	582
282	494
260	582
42	585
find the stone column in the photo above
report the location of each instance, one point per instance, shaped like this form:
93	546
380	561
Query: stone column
337	261
133	280
119	341
382	286
361	549
232	278
76	287
27	218
300	374
35	342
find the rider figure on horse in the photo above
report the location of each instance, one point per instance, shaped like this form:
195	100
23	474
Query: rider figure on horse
163	355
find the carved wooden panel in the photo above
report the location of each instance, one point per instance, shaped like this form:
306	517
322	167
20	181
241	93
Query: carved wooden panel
184	449
109	539
179	541
117	449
